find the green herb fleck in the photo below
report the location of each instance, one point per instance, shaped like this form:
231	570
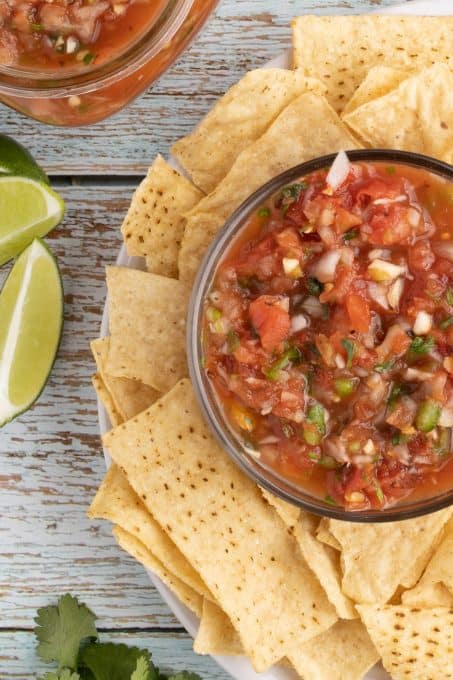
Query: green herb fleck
349	235
428	415
293	191
325	312
421	345
314	286
293	354
379	493
390	169
349	346
449	296
233	341
385	366
345	386
329	500
213	314
315	414
37	27
88	58
264	212
313	456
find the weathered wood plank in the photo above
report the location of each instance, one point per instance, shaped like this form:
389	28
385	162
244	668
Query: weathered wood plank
51	460
171	652
241	35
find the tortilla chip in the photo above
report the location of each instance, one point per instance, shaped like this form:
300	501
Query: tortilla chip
287	512
106	398
417	116
216	634
154	224
415	644
344	652
147	327
379	81
117	502
340	50
129	396
237	120
307	128
324	534
183	592
190	485
322	560
377	558
435	588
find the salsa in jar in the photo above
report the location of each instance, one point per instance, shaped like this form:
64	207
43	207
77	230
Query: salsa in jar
328	334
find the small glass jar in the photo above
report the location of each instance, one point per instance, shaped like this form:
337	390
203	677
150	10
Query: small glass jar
88	95
210	405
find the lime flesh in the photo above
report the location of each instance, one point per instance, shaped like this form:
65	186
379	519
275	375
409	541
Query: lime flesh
28	210
31	313
16	160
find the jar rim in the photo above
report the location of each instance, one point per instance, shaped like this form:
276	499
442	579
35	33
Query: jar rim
16	82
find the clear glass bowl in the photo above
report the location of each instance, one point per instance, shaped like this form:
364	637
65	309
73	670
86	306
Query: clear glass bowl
212	410
75	98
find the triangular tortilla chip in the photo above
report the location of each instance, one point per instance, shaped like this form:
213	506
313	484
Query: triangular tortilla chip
415	644
417	116
379	81
147	315
154	224
340	50
237	120
250	563
106	398
216	634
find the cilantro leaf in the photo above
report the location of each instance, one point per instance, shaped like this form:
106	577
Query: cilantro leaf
143	670
109	661
66	674
314	286
350	350
62	628
421	345
185	675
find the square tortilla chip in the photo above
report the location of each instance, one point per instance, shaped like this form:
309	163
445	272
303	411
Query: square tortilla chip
417	116
413	643
129	397
147	327
435	588
188	482
322	559
408	43
237	120
106	398
379	81
377	558
307	128
117	502
134	547
154	224
344	652
216	634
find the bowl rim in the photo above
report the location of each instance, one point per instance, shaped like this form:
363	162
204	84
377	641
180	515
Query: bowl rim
207	401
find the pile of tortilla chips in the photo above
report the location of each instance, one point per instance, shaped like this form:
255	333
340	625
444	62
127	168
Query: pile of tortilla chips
268	580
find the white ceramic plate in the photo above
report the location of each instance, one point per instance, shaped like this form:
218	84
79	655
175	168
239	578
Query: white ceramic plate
239	667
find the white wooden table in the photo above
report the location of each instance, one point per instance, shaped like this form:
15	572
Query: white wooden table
50	459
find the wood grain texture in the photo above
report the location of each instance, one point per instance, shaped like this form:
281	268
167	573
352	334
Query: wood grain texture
50	459
241	36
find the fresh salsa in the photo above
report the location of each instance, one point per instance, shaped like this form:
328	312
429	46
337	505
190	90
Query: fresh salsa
328	334
55	34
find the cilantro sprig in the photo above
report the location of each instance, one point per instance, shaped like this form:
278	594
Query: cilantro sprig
67	635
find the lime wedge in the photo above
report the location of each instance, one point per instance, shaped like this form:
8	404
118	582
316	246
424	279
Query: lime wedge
31	313
16	160
28	209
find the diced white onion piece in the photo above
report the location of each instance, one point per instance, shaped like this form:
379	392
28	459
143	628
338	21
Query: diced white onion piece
377	253
298	323
72	45
291	266
378	293
360	460
446	417
326	218
444	249
324	269
327	235
423	323
369	447
395	292
347	256
271	439
416	374
387	201
340	362
413	217
119	9
401	452
313	307
339	171
335	448
283	303
381	270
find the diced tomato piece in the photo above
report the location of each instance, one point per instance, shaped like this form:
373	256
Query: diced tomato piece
420	256
345	220
359	312
289	241
270	320
389	225
344	276
377	189
296	213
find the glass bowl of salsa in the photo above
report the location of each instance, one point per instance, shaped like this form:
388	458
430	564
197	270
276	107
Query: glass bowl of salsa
75	62
320	335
